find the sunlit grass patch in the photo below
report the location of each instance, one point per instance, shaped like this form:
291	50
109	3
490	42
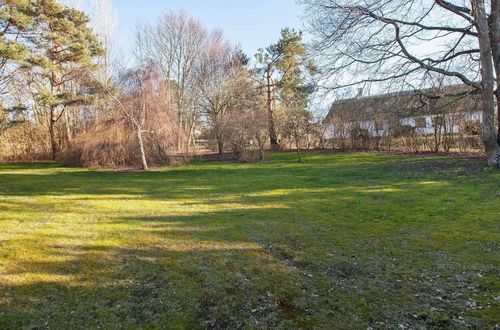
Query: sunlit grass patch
341	240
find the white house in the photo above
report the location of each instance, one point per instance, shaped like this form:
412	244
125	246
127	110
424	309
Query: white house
422	113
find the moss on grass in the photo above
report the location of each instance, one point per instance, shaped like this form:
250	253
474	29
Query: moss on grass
346	240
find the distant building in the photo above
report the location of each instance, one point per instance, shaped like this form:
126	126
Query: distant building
422	112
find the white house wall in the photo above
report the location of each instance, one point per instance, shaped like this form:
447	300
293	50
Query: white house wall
331	132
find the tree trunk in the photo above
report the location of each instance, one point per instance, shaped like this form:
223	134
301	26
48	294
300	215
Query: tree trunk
180	146
218	132
69	135
53	116
141	148
261	147
270	116
220	145
494	26
52	131
437	134
497	95
191	137
490	140
298	149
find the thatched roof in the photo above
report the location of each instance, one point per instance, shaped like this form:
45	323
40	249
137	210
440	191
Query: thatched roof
456	98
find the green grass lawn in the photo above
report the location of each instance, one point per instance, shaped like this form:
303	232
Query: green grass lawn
344	240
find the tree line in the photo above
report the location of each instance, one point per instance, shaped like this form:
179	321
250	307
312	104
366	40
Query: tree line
65	96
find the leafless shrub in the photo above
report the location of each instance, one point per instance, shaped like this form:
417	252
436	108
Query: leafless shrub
318	135
24	142
246	133
142	126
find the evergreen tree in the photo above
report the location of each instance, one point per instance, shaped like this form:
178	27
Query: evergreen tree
65	51
283	66
16	23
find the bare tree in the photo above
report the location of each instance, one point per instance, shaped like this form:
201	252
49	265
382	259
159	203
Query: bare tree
175	44
245	127
103	20
222	79
405	42
296	125
231	102
143	104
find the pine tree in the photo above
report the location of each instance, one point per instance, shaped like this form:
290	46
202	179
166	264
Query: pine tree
283	66
66	50
16	24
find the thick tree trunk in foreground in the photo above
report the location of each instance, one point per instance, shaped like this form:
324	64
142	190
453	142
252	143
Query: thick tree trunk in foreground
497	95
490	139
494	26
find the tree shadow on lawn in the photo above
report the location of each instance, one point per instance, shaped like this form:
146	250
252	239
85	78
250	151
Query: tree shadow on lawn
200	272
174	279
377	200
29	166
289	246
216	180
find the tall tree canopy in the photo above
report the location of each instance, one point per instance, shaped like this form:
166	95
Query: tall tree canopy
16	22
64	50
283	66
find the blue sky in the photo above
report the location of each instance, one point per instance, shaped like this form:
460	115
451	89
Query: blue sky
251	23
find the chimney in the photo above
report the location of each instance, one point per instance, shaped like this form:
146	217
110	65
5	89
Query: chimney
360	93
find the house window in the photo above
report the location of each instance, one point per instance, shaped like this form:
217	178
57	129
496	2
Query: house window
379	125
420	123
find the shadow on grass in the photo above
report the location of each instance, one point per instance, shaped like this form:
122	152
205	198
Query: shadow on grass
327	243
207	178
219	270
159	278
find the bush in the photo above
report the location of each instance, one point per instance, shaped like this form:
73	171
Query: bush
246	133
470	127
360	138
24	142
112	143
